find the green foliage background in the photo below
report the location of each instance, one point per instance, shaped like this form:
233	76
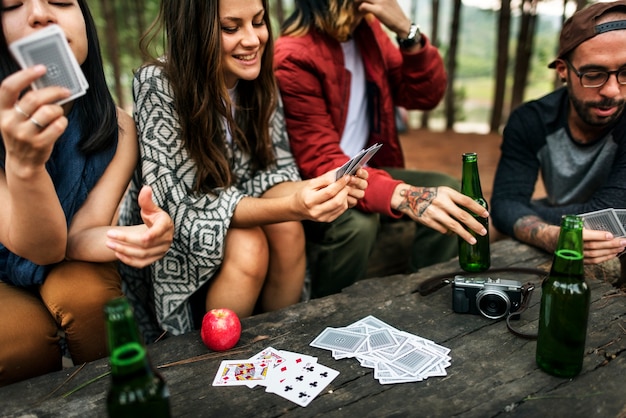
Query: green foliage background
476	60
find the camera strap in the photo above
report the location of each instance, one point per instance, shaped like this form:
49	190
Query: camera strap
435	283
527	292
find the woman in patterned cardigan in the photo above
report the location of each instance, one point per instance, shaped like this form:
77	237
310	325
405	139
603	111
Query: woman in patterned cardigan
215	149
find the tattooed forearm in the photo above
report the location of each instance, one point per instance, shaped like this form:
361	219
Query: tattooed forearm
417	199
532	229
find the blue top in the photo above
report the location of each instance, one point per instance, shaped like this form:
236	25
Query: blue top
578	178
74	175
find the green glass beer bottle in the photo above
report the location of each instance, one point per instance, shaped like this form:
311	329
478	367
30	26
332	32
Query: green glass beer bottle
564	307
477	257
137	389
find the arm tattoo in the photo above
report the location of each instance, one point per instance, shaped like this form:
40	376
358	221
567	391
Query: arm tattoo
417	199
529	229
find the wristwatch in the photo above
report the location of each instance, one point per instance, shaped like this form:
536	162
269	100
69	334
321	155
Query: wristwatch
412	38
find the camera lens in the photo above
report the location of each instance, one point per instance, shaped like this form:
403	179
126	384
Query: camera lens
493	304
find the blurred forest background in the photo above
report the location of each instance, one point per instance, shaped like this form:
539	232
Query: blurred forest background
496	52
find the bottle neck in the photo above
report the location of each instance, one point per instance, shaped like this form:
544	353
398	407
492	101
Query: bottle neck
470	181
568	256
130	359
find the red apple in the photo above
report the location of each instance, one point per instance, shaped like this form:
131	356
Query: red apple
221	329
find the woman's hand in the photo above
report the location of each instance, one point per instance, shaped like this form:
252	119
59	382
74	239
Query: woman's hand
358	184
30	125
140	246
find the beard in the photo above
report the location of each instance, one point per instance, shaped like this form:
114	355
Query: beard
585	113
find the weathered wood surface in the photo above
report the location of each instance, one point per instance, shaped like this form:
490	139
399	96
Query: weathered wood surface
493	373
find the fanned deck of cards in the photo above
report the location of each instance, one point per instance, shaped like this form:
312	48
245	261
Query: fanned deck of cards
294	376
48	46
396	356
360	160
611	220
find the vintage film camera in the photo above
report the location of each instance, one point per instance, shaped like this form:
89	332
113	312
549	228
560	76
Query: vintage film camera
492	298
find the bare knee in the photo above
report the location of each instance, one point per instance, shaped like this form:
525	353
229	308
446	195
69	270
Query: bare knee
287	236
247	251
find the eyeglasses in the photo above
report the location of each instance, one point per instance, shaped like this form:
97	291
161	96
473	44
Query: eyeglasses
597	78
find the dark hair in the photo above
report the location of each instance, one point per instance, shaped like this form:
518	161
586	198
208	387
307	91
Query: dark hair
332	17
193	66
96	111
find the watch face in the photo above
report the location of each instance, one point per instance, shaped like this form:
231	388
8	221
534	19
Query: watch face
413	37
413	32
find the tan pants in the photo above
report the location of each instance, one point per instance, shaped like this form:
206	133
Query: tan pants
71	300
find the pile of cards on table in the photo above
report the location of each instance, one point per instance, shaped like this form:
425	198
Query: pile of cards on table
396	356
294	376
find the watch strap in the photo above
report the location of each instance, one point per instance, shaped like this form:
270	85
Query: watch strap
412	38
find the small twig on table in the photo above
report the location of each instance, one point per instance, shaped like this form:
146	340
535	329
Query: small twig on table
206	356
70	377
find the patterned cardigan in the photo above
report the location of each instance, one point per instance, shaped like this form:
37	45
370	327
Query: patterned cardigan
160	294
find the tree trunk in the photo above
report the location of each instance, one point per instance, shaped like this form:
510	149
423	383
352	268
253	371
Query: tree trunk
138	10
280	11
112	47
502	65
524	50
434	39
451	64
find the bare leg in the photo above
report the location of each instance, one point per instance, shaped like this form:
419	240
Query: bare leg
239	282
285	278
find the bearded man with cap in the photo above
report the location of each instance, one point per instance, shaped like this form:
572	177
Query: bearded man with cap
575	137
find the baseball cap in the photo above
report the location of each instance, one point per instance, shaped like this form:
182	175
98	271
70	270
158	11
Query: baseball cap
581	26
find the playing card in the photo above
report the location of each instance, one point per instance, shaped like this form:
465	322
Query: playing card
49	47
269	353
304	386
365	157
621	215
292	362
241	372
353	164
396	356
604	220
339	339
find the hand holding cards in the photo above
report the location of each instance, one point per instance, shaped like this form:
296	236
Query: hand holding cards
611	220
360	160
49	47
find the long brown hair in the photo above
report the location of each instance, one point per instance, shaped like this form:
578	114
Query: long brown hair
193	65
332	17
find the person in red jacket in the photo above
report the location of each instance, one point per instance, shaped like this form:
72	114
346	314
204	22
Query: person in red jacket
341	78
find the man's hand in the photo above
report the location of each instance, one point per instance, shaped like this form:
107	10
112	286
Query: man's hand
598	246
440	208
601	246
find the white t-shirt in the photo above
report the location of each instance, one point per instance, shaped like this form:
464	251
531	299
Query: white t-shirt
356	131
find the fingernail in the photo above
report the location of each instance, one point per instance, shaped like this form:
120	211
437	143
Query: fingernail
622	243
473	241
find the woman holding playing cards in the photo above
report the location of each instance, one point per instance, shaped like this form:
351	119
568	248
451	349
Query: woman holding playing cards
63	172
214	146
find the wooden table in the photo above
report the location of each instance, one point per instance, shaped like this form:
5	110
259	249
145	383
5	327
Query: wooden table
493	373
